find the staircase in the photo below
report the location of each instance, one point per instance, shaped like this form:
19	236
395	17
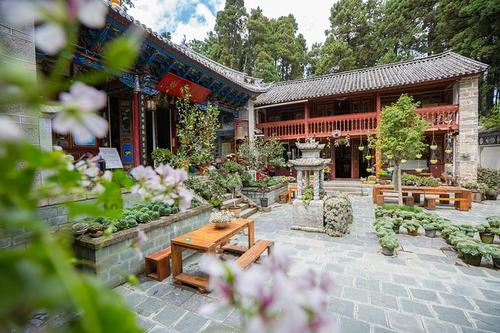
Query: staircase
246	210
347	186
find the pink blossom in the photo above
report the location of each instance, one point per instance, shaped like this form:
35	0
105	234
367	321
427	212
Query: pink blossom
185	197
50	38
142	173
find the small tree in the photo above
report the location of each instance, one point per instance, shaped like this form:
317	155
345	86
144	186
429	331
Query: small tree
197	130
400	135
262	152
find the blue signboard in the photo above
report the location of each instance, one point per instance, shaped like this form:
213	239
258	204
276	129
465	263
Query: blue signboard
127	155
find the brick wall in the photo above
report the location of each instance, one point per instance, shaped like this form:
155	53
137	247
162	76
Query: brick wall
467	144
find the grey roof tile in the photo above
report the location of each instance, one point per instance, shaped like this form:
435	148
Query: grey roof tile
432	68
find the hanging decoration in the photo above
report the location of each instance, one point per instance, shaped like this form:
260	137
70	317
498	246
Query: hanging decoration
339	140
448	147
361	147
433	145
418	156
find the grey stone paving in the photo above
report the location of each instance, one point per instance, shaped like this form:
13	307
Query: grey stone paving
422	289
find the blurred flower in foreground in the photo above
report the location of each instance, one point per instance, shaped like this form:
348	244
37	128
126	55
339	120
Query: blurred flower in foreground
268	298
162	184
51	36
79	116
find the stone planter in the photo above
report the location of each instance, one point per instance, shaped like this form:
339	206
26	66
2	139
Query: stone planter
477	196
472	260
413	233
486	237
387	252
112	258
496	263
430	233
272	193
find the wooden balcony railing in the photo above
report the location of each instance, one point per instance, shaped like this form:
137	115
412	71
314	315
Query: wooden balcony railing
439	117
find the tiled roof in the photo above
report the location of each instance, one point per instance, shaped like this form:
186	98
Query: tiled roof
437	67
241	79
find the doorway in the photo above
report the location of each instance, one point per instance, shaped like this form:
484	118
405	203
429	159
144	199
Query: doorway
163	127
342	162
363	165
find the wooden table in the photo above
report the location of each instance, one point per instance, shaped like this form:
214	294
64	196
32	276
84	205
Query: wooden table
206	239
443	191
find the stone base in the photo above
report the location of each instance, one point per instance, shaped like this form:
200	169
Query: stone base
308	218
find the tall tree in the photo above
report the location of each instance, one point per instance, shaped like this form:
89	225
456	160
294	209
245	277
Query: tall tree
265	68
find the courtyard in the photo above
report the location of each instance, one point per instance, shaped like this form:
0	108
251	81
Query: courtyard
424	288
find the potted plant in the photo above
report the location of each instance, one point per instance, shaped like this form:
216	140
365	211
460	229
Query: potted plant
264	201
491	194
493	221
388	244
411	227
468	229
472	252
221	219
430	228
477	196
446	232
397	222
96	230
485	233
493	251
79	228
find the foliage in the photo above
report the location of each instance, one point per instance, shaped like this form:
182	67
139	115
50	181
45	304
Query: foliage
207	188
493	221
307	195
400	135
413	180
262	152
165	156
493	120
196	130
338	214
490	178
389	242
470	247
484	228
271	182
410	225
468	229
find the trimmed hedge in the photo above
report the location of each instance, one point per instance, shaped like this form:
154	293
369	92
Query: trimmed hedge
337	214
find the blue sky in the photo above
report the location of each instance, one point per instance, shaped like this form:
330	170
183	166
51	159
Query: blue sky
194	18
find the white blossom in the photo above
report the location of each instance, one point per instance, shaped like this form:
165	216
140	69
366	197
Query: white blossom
92	13
50	38
78	115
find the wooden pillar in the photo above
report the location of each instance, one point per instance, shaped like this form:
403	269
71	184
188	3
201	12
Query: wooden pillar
306	118
378	153
354	159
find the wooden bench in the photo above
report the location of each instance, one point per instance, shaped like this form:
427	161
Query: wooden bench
253	253
408	200
283	197
460	203
158	264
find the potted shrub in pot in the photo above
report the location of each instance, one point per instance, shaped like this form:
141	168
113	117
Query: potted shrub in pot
397	222
388	244
485	233
430	228
263	182
468	229
411	227
471	251
446	232
493	251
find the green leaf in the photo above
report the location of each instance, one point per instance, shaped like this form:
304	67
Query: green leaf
121	53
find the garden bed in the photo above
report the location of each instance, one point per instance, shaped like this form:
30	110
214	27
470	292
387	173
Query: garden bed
112	258
272	193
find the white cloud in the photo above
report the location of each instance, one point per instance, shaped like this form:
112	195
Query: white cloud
170	15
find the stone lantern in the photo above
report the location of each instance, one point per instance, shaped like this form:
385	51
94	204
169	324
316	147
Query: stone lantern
308	216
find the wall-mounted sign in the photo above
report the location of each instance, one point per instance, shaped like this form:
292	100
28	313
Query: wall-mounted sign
111	157
173	84
127	156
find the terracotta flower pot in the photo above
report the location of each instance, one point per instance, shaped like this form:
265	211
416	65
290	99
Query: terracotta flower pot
387	252
486	237
430	233
472	260
413	232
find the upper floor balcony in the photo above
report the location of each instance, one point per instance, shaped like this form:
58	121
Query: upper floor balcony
440	118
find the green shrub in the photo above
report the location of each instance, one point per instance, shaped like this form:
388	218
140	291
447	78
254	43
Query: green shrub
337	213
493	221
389	242
470	247
468	229
411	225
414	180
490	178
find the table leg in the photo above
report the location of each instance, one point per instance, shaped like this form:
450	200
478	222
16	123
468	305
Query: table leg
176	260
251	239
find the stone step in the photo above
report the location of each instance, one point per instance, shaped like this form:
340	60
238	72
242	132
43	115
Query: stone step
349	190
230	203
248	212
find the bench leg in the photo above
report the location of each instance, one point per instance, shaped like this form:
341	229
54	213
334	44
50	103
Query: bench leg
430	204
445	202
379	200
416	198
408	201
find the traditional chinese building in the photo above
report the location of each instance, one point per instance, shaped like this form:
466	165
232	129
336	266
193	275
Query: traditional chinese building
141	108
342	109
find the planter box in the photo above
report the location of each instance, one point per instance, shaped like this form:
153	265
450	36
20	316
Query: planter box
112	258
272	193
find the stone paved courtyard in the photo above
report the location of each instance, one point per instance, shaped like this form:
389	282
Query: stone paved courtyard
422	289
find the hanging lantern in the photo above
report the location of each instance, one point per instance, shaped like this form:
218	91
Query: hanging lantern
368	157
448	165
448	151
403	161
418	156
361	148
389	156
433	147
419	170
390	169
433	161
369	169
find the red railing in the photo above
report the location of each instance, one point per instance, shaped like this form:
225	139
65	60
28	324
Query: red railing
439	117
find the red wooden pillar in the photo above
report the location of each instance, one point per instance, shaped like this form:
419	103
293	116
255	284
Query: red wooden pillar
354	159
378	153
136	133
306	119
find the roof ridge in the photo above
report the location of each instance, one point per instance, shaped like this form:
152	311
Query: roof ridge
371	68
